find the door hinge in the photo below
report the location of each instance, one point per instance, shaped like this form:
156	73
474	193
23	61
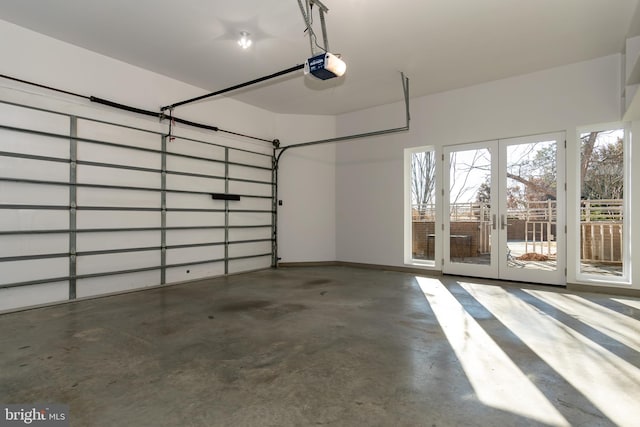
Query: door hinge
565	272
565	143
443	157
442	261
442	191
565	229
442	227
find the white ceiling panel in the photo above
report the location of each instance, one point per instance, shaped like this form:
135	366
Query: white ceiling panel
439	44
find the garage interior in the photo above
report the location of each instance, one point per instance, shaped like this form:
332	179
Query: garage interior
197	230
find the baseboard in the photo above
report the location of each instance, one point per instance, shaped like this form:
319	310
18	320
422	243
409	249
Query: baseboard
308	264
604	290
399	269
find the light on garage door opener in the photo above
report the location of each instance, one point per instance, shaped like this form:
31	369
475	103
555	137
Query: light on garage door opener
325	66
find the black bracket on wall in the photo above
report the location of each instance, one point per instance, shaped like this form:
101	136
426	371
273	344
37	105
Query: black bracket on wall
222	196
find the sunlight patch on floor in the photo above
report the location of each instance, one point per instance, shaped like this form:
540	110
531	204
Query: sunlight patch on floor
609	382
617	326
495	378
633	303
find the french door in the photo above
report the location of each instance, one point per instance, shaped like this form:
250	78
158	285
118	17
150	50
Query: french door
504	204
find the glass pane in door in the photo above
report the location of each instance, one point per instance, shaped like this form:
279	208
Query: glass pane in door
470	206
530	216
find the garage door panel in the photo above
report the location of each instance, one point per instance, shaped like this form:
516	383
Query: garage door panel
192	183
198	166
236	234
119	177
25	296
196	271
192	201
91	264
193	219
249	218
254	159
20	193
192	148
33	220
87	242
108	197
251	203
246	172
116	283
33	244
186	237
32	144
195	254
33	169
118	155
250	188
246	249
118	134
240	265
117	219
27	118
35	269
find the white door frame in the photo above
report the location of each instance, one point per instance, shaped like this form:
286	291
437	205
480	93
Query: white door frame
498	266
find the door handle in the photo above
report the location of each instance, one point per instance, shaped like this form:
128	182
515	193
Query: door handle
503	223
493	222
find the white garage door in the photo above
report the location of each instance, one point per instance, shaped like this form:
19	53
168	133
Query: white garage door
89	207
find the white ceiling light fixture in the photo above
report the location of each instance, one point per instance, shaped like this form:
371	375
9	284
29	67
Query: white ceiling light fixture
245	41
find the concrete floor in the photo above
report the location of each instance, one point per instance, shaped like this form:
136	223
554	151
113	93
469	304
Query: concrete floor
330	346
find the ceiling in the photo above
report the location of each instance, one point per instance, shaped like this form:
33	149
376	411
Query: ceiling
439	44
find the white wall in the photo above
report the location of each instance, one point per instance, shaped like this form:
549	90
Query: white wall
306	185
369	175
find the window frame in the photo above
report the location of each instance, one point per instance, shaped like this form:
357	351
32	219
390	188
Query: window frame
589	278
434	264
